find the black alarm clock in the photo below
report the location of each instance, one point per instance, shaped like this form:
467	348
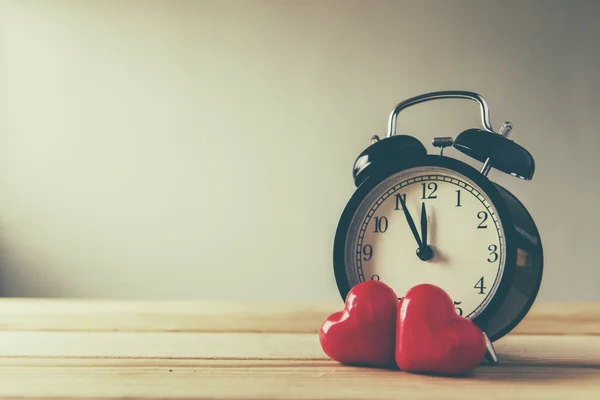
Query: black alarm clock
427	218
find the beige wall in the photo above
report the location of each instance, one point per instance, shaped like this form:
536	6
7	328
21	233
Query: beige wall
204	149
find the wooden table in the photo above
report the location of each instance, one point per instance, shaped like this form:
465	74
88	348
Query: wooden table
114	349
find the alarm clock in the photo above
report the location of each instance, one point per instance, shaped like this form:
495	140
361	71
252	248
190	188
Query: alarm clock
428	218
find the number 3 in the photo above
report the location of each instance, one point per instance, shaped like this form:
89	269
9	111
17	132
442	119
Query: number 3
493	253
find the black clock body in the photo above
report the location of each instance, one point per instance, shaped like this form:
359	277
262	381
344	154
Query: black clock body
522	274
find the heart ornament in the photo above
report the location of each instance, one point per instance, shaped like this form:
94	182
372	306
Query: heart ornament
432	338
364	332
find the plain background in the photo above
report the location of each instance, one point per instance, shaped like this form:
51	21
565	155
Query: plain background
203	149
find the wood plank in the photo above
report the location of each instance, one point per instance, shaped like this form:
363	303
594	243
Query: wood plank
561	319
521	378
581	350
203	316
161	316
160	344
114	349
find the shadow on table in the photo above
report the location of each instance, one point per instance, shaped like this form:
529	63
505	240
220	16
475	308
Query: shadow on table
511	368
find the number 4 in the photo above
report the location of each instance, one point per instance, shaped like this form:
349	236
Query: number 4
479	285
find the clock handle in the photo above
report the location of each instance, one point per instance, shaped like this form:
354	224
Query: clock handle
447	94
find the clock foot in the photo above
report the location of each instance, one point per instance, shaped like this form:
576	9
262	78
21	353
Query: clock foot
490	354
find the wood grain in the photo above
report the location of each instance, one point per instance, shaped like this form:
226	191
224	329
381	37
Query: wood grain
514	348
238	366
532	368
201	316
69	349
278	380
169	316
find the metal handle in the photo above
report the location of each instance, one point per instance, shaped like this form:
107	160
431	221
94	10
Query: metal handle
447	94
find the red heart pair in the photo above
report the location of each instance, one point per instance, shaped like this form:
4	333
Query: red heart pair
421	333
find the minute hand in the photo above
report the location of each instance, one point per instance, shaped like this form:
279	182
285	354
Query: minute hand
411	223
423	225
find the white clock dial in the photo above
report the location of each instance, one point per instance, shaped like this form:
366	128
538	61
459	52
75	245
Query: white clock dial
463	230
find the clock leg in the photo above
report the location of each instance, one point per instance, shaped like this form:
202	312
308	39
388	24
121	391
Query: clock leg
490	354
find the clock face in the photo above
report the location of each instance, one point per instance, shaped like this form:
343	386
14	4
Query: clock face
464	253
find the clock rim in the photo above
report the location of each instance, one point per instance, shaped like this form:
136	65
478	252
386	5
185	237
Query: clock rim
462	168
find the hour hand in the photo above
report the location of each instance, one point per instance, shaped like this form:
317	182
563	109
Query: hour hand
410	221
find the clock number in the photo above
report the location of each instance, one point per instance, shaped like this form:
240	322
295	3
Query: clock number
375	277
367	250
458	309
399	202
381	224
431	186
493	253
479	285
483	216
458	199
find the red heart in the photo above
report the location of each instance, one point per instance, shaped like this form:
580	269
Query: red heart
432	338
364	332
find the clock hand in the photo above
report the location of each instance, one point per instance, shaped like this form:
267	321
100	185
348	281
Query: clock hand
423	225
424	252
411	223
